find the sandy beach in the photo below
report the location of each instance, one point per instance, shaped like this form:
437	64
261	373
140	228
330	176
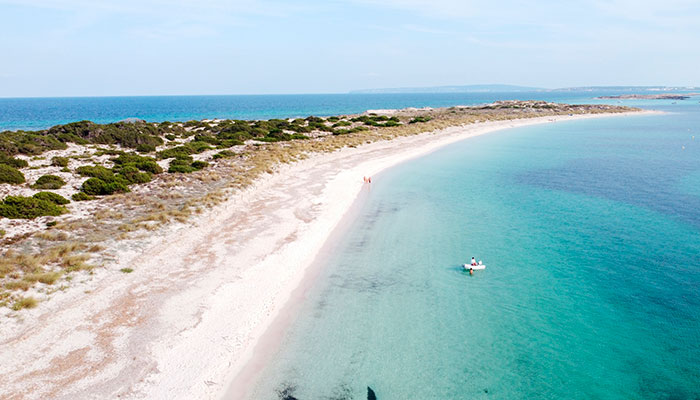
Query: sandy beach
187	323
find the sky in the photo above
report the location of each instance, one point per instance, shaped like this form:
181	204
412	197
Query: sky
179	47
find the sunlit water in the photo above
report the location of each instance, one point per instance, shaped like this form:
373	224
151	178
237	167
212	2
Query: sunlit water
591	234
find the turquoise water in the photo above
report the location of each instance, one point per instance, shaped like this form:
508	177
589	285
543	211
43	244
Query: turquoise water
591	233
41	113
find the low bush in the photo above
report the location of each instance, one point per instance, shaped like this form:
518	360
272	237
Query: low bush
20	207
29	143
52	197
97	186
49	182
181	166
185	166
199	165
11	175
59	161
96	171
146	164
419	119
13	162
132	175
125	133
224	154
145	148
81	196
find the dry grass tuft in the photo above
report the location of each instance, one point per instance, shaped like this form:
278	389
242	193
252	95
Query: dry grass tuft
25	302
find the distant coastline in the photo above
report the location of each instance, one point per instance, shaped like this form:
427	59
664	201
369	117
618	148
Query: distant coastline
664	96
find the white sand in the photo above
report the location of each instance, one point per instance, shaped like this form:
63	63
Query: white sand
186	322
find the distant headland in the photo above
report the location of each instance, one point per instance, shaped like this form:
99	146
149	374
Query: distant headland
664	96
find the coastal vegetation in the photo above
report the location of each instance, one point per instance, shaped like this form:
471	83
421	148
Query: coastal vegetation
130	178
9	174
40	204
49	182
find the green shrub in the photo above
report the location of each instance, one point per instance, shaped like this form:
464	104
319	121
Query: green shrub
146	164
170	136
199	165
13	162
11	175
52	197
181	166
132	175
184	165
97	186
145	148
224	154
192	147
126	133
108	152
300	129
96	171
59	161
80	196
49	182
207	139
420	119
15	207
30	143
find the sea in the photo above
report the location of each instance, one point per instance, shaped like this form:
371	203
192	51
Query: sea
589	230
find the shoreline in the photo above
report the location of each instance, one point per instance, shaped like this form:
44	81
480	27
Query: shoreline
240	265
242	380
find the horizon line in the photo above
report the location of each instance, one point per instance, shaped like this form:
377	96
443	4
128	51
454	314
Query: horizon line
355	91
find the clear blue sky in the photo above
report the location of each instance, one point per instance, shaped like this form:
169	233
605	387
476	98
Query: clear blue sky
152	47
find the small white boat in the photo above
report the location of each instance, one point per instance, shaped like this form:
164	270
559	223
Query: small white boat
474	267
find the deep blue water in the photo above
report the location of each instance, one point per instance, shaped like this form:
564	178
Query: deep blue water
590	230
41	113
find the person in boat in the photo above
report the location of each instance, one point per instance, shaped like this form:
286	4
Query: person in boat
473	261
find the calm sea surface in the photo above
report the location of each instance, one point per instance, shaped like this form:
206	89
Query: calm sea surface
591	234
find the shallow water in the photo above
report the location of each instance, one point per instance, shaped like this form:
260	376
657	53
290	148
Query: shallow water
590	230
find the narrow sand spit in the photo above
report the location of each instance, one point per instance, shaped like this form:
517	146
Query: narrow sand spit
185	323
